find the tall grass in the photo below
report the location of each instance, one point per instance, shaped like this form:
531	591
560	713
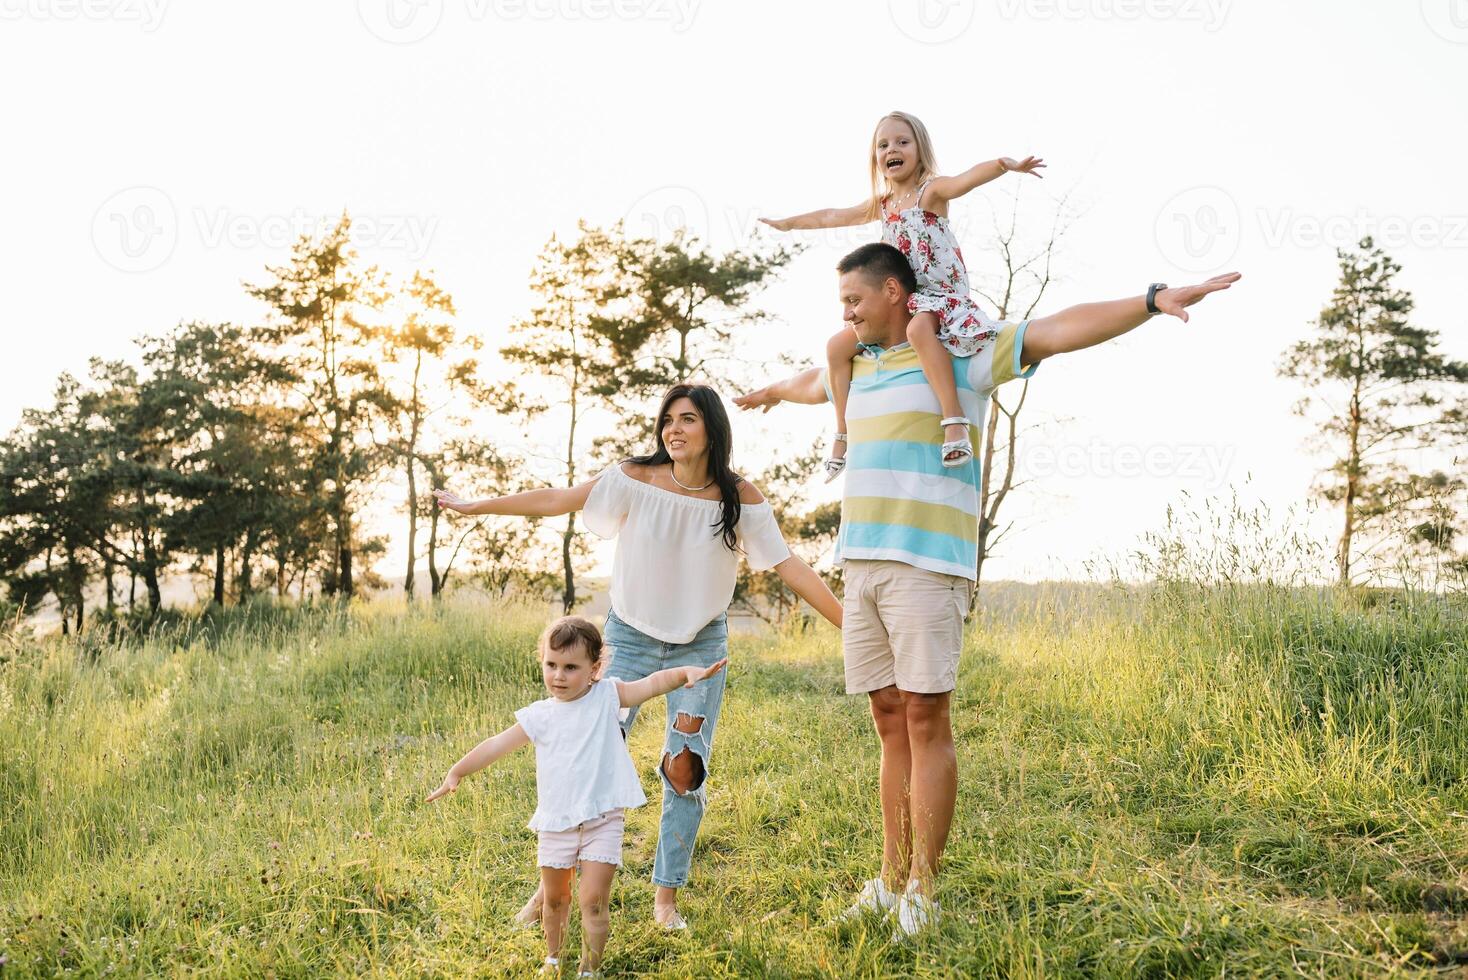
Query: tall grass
1194	778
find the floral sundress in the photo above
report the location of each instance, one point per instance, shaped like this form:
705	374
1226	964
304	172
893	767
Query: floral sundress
927	240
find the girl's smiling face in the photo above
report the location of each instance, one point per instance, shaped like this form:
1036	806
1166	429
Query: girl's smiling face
568	673
683	432
896	151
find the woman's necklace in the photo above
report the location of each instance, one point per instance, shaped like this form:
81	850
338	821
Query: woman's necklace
673	472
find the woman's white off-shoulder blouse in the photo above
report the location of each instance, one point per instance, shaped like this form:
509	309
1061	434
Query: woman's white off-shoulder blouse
672	574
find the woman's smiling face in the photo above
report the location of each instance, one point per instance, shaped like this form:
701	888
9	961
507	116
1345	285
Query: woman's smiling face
683	432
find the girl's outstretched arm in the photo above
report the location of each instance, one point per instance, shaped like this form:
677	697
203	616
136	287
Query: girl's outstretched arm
633	693
949	188
486	752
825	218
804	582
550	502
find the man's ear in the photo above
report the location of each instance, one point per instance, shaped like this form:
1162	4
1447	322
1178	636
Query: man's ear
892	289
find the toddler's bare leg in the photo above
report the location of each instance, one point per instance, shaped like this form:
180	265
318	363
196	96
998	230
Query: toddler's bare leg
840	349
555	886
596	892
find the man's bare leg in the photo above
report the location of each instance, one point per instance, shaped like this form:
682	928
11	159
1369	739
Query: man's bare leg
934	782
889	713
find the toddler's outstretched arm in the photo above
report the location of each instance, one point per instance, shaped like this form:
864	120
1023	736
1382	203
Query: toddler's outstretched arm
825	218
958	185
485	753
633	693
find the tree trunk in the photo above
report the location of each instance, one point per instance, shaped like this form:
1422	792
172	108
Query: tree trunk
1353	475
247	555
107	568
435	584
568	598
150	555
412	527
219	574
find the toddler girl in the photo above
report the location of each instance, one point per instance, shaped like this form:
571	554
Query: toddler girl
584	777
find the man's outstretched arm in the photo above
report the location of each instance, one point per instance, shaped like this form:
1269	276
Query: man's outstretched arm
1090	324
804	388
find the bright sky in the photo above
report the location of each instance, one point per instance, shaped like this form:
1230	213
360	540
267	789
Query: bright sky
161	153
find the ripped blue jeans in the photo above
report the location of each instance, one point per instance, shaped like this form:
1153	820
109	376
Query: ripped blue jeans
635	655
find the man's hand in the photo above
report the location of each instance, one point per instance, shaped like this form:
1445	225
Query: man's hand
1174	301
763	399
450	783
1029	165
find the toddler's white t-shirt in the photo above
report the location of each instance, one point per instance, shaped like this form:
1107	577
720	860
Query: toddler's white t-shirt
582	767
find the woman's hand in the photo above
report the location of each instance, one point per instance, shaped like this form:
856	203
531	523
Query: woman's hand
447	498
779	224
692	675
764	399
450	783
1029	165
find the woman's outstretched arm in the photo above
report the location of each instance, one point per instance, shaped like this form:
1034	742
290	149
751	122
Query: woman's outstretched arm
804	582
550	502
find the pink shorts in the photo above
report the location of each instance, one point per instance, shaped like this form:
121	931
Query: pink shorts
598	839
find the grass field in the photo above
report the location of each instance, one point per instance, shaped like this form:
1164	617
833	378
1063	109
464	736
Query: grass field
1177	782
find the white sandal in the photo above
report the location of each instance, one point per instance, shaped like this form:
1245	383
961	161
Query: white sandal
962	447
835	465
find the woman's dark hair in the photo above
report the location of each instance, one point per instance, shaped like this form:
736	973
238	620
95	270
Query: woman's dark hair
721	446
569	631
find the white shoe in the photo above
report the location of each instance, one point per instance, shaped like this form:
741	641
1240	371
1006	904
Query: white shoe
915	912
875	899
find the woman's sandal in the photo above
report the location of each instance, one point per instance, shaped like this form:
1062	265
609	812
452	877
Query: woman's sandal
963	449
836	464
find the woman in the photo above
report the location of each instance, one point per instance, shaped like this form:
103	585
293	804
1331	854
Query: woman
681	517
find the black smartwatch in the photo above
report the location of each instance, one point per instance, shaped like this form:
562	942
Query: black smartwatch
1152	297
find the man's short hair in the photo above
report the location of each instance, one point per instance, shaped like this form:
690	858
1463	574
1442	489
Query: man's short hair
879	262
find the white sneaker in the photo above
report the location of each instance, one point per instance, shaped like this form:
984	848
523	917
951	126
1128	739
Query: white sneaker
915	912
875	899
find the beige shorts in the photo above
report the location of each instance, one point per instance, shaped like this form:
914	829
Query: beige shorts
598	839
903	627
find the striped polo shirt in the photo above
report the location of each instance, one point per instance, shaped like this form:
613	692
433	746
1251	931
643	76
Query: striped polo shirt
900	502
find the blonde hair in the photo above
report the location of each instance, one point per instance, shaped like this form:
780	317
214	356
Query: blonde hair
927	161
571	631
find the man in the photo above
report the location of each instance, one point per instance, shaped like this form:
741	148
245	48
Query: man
908	538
